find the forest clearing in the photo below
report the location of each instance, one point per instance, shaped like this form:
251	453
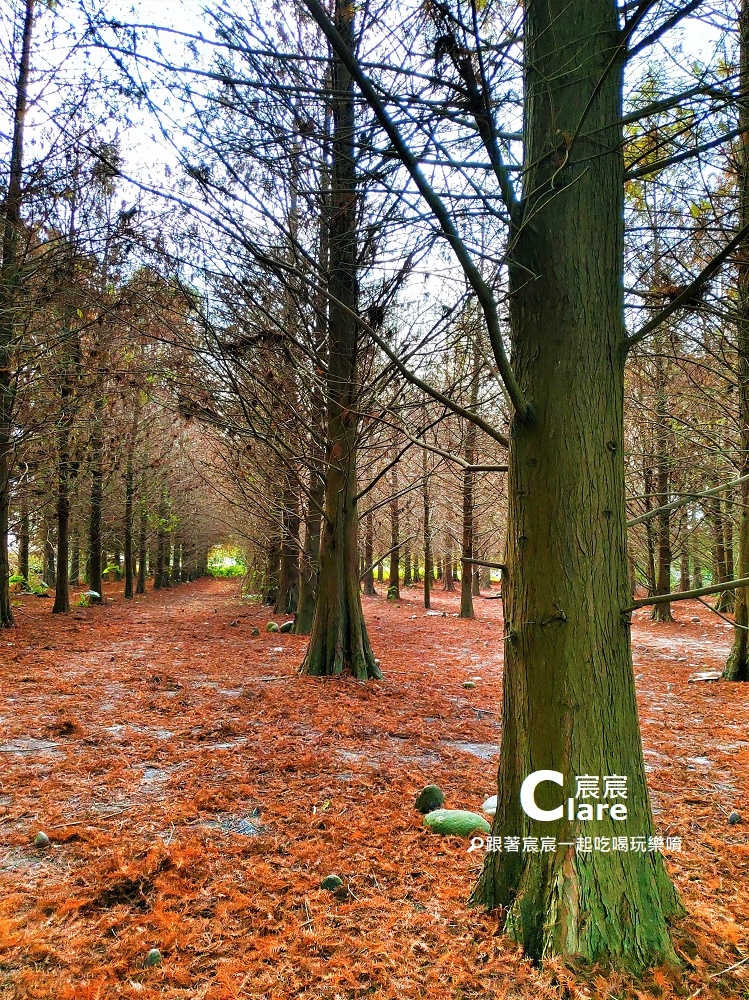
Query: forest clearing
140	736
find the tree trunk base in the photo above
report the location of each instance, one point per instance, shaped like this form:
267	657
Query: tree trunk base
566	909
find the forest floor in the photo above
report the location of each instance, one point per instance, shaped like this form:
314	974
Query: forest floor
196	790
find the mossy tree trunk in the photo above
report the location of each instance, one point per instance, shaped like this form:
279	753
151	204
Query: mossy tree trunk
737	664
569	694
339	643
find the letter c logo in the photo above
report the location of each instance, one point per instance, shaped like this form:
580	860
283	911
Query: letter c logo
528	800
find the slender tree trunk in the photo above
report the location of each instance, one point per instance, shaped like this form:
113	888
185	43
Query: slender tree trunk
142	540
698	574
394	583
737	664
288	587
684	577
467	569
448	576
23	539
407	572
49	571
272	570
428	568
647	481
310	555
569	694
662	612
129	502
62	580
369	587
339	643
97	502
725	601
10	285
720	571
380	573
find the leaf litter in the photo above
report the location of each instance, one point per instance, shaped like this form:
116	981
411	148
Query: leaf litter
196	791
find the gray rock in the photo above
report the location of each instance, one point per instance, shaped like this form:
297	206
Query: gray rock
41	839
287	626
734	818
255	632
430	798
490	805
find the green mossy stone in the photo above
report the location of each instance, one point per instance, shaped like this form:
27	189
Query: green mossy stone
429	799
331	882
153	957
469	685
287	626
255	632
41	839
271	627
456	822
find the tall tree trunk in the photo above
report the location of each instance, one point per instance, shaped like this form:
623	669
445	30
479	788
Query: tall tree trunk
23	539
647	482
720	571
49	571
737	664
339	643
310	555
62	580
394	583
725	601
142	540
129	501
467	568
448	575
428	568
10	286
569	694
95	514
662	612
407	572
288	587
369	587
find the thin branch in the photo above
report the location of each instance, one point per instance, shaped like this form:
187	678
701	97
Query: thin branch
688	595
483	562
377	562
687	498
702	278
